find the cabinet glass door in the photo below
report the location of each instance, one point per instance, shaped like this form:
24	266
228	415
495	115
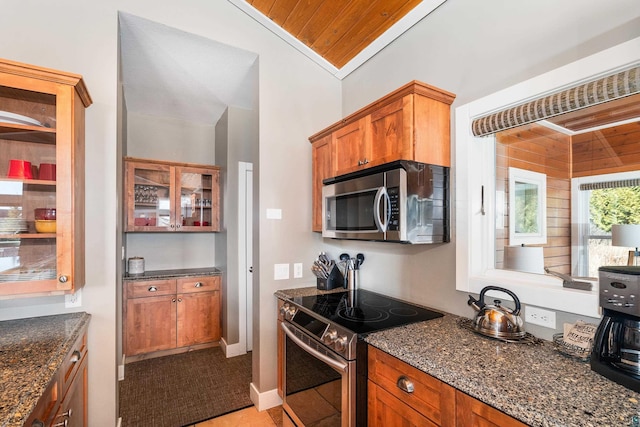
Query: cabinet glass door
28	238
196	198
151	208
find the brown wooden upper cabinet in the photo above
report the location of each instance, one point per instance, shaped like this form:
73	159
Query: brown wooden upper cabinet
165	196
41	167
410	123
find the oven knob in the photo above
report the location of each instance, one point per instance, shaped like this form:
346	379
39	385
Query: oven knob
341	343
289	313
284	308
330	336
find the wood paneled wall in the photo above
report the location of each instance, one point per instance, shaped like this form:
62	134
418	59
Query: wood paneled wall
610	150
539	149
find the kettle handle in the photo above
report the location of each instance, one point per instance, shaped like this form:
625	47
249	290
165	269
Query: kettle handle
516	311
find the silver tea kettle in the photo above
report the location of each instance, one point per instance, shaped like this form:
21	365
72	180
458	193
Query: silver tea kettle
497	321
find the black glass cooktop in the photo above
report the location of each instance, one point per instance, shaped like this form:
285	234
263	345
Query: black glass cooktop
363	311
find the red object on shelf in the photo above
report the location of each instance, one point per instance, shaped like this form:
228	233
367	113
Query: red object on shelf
19	169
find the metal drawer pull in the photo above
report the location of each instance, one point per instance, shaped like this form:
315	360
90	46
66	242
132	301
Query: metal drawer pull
75	357
405	384
152	289
63	279
198	285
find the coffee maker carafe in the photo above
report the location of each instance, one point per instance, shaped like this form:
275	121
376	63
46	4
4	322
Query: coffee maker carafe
616	348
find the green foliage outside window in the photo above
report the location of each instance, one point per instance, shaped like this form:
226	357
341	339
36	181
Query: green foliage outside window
615	206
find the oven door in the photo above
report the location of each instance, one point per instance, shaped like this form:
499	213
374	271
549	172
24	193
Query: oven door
319	385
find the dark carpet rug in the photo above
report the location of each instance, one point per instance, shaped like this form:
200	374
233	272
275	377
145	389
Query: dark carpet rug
183	389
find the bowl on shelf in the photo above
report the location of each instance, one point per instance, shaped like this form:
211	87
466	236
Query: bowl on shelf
19	169
45	214
46	225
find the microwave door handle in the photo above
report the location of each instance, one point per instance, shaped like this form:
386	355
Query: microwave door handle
382	192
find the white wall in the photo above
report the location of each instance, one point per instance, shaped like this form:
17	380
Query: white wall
456	50
296	99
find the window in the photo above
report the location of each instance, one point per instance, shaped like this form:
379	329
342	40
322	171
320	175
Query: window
601	202
527	207
480	202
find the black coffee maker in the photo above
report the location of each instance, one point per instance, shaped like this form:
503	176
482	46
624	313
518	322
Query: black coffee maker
616	347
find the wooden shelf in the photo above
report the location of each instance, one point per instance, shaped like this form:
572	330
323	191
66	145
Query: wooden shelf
31	181
28	236
28	133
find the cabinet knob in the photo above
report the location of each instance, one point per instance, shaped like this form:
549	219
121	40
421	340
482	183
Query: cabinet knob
172	226
405	384
37	423
198	285
173	300
75	357
63	279
179	299
152	289
178	226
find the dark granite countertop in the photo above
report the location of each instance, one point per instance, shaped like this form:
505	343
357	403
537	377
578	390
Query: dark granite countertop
31	351
530	382
168	274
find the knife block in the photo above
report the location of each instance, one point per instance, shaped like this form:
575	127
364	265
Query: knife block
335	280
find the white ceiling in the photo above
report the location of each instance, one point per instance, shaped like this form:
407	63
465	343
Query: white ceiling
171	73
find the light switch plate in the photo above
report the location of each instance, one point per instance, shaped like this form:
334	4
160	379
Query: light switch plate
297	270
280	271
274	213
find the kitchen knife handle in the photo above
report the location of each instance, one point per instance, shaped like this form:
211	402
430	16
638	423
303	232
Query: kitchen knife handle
405	384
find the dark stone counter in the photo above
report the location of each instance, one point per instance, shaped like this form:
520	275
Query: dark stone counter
31	351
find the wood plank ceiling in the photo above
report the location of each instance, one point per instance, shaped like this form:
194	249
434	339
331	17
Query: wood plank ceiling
337	30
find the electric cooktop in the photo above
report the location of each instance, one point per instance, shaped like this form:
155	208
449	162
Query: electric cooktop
363	311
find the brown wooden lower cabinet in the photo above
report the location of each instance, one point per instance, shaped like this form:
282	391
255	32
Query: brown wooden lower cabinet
64	402
401	395
472	412
171	314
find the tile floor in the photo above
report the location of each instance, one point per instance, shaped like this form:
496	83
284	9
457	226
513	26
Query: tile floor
249	417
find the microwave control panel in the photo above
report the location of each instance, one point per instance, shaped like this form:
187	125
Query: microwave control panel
394	208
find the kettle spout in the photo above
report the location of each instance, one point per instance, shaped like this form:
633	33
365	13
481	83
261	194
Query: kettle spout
477	305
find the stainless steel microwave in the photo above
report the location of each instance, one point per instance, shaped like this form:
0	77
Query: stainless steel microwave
402	201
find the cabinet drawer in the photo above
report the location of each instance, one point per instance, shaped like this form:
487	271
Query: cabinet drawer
430	397
46	407
150	288
199	284
71	363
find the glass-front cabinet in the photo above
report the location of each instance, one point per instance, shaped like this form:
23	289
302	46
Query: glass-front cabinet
164	196
41	180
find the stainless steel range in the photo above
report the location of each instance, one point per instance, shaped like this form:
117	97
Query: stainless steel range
325	359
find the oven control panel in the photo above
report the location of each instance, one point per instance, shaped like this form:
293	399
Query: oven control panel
324	331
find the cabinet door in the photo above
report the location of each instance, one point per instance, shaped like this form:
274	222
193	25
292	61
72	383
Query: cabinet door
392	132
41	130
429	396
322	169
198	199
150	197
73	410
198	318
471	412
150	324
350	146
385	410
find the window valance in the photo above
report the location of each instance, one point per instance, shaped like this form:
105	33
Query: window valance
608	88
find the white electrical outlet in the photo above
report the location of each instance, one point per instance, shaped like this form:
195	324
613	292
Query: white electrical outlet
280	271
297	270
73	300
540	316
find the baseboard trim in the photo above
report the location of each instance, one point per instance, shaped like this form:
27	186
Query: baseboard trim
266	400
232	350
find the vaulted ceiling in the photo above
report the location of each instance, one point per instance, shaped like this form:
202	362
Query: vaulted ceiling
336	30
339	35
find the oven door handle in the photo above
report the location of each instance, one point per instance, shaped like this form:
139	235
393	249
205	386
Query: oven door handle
335	364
